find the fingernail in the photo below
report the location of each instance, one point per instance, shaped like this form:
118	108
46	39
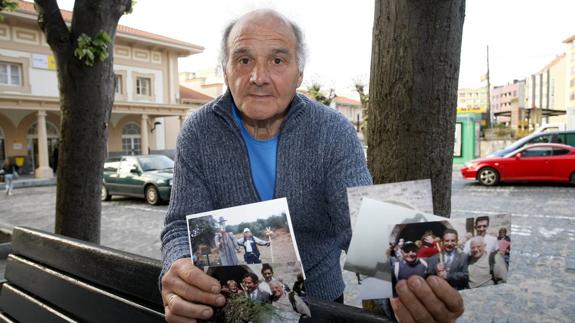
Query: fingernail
415	283
401	287
433	281
220	300
215	289
207	313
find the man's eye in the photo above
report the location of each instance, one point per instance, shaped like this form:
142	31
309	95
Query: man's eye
278	60
244	60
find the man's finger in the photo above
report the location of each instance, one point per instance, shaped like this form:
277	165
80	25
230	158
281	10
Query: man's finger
411	302
172	318
195	276
402	315
447	294
178	306
424	293
193	294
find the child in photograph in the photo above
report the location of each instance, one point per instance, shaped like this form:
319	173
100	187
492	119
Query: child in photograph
250	244
428	246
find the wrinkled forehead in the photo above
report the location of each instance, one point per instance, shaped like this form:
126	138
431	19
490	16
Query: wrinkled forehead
262	23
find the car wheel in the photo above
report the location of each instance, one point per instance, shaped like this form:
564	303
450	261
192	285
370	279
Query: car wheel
152	195
488	176
572	181
105	195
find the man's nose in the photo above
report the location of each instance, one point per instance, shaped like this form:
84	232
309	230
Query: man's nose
260	74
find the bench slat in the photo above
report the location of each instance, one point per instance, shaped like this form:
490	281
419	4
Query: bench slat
25	308
86	302
330	312
124	272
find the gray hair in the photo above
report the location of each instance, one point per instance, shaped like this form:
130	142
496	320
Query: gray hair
478	239
301	49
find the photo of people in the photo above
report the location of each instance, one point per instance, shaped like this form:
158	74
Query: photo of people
261	293
247	234
477	262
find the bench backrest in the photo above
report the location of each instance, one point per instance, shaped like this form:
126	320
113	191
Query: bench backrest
51	278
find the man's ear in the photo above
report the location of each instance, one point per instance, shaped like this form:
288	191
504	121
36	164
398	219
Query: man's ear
299	79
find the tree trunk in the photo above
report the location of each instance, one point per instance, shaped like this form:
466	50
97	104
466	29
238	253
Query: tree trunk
86	98
413	93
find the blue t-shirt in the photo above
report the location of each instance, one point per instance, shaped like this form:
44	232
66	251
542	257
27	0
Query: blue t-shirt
262	155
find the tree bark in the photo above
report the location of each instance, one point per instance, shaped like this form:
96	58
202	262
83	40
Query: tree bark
86	99
413	93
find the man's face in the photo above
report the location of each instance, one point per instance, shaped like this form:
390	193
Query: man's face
249	283
262	70
481	227
267	275
477	249
277	290
409	256
449	241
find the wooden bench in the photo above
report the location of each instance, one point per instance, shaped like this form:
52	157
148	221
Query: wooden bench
51	278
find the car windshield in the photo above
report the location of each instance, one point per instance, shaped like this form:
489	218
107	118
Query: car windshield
149	163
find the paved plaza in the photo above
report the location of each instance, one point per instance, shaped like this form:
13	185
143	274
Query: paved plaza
540	288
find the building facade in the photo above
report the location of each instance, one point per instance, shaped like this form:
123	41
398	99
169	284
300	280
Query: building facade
508	104
570	79
545	94
146	115
350	108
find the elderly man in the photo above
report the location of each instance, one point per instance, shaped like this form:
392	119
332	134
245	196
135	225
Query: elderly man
288	307
259	141
485	268
481	226
451	264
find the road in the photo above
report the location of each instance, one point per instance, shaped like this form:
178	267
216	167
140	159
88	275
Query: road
539	289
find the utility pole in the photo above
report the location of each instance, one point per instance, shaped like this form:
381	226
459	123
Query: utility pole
489	112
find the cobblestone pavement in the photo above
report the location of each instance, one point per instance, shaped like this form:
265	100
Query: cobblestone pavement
539	289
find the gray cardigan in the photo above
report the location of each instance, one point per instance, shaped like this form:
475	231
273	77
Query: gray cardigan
319	156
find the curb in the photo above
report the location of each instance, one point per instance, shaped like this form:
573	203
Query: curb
31	182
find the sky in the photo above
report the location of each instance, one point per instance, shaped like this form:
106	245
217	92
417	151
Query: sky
523	35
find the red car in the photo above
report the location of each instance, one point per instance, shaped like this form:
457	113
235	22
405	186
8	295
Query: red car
538	162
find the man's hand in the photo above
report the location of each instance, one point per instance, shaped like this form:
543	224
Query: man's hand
188	292
441	270
431	300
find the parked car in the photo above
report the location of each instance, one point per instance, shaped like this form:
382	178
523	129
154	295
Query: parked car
559	137
538	162
147	176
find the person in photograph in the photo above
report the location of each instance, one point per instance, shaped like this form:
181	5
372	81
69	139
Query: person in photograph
451	264
409	265
504	244
251	282
428	246
268	274
299	286
232	289
228	247
258	142
250	244
288	306
485	268
481	226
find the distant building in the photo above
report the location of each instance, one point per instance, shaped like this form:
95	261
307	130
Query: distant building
350	108
472	100
508	104
570	78
146	115
193	98
209	81
545	94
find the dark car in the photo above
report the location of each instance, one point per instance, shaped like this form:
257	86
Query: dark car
557	137
148	176
538	162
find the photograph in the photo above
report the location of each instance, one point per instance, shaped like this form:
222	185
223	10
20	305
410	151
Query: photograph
367	254
467	252
261	293
242	235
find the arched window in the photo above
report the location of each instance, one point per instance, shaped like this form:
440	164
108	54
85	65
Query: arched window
131	139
